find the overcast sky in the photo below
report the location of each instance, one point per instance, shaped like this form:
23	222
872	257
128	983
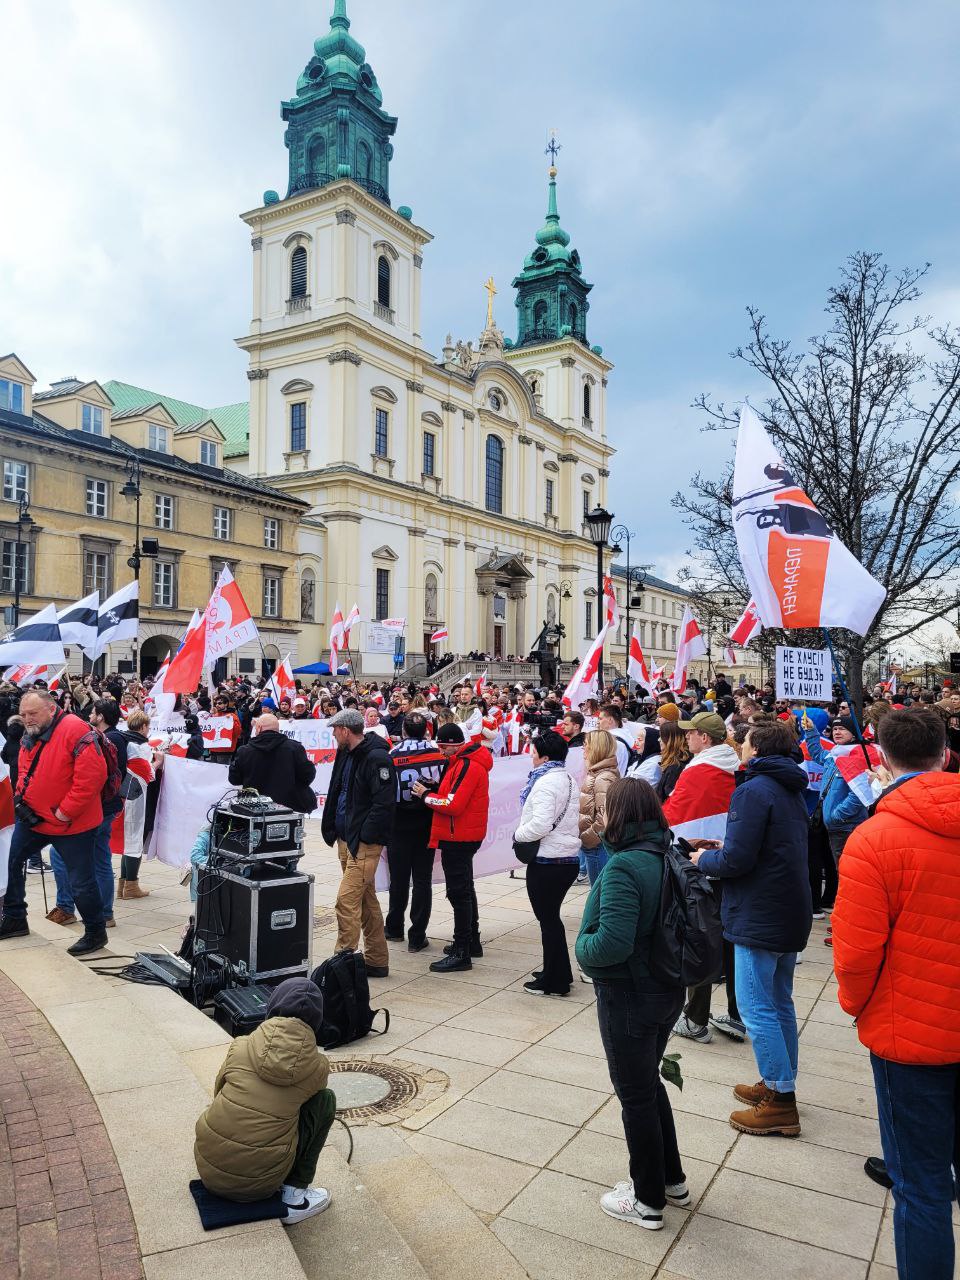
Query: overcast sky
713	155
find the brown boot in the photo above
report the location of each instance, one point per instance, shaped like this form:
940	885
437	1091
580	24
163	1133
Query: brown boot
751	1094
774	1114
59	916
131	889
120	884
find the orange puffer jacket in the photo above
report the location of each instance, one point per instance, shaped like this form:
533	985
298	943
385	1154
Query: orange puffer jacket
896	924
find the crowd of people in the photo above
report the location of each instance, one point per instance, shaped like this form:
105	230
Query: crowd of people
751	787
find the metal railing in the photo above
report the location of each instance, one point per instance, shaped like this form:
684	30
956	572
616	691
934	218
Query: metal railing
315	178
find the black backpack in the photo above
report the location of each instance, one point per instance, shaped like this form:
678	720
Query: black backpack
687	946
347	1015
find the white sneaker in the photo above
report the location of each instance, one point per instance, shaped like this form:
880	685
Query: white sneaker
691	1031
304	1202
678	1194
799	957
622	1203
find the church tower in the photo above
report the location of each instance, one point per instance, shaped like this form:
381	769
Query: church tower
336	125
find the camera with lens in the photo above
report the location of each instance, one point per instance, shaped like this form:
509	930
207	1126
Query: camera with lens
24	813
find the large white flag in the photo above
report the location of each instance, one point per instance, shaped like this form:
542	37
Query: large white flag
690	645
36	641
78	622
584	683
637	663
229	621
118	618
800	573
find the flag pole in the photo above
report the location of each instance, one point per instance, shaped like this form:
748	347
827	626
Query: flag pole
848	699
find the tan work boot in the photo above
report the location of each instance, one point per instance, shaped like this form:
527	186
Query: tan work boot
776	1113
131	889
120	884
751	1094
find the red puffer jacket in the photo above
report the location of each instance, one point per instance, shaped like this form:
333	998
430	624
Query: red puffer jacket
896	924
461	802
64	779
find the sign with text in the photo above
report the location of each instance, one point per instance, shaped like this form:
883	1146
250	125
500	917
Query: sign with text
804	675
379	638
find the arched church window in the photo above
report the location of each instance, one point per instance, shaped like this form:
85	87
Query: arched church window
317	158
574	315
364	162
539	318
383	281
586	399
494	477
298	272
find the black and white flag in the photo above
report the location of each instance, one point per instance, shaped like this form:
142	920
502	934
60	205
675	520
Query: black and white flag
36	640
118	618
78	623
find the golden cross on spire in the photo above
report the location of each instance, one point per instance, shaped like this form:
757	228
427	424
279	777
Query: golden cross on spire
491	291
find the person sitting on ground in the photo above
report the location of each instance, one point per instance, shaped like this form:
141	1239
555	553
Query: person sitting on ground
271	1110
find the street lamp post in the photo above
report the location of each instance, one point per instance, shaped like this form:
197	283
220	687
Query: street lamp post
24	521
132	489
598	521
566	593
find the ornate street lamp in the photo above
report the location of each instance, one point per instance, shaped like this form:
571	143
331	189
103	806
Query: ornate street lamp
24	521
598	521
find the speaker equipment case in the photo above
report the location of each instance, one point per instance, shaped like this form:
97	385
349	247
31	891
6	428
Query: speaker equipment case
240	1010
263	923
255	832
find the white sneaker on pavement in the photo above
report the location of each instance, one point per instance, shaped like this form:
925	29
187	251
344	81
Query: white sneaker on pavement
678	1194
622	1203
691	1031
304	1202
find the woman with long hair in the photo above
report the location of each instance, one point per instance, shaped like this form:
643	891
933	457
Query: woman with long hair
674	757
636	1011
127	833
600	759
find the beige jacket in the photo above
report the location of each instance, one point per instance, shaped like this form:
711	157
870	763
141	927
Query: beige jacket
593	800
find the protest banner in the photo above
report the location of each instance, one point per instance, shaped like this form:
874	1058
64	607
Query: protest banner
804	675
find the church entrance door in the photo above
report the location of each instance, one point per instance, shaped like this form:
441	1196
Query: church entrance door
498	643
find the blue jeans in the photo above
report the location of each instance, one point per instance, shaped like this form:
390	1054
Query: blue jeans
77	854
919	1110
595	859
764	982
102	870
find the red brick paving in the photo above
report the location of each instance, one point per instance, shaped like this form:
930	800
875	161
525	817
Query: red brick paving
64	1213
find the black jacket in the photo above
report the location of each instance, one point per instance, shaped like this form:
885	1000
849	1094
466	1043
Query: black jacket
277	767
371	795
10	752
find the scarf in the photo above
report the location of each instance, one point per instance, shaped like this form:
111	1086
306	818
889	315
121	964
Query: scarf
535	774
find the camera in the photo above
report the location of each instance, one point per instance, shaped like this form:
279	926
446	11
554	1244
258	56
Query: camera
24	813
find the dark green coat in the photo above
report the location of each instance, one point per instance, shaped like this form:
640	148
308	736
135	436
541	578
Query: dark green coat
621	911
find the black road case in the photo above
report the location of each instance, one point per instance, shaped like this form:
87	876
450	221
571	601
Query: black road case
262	922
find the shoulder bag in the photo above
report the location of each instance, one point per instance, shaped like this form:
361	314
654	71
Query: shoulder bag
526	850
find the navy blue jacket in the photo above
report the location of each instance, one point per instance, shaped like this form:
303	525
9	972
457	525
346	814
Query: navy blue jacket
763	863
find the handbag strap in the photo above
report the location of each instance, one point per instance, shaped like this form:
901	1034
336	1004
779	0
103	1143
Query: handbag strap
22	784
566	805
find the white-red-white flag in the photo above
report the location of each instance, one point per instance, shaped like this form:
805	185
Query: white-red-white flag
281	684
637	663
611	610
184	668
481	681
352	618
6	822
800	573
229	622
583	683
54	685
690	645
440	634
336	638
25	673
747	627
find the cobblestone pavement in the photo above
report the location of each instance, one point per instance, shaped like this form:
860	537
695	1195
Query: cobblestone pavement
64	1211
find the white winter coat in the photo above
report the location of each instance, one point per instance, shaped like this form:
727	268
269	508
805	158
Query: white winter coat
553	794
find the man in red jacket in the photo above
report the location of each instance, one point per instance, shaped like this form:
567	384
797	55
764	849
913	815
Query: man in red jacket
61	774
460	806
896	952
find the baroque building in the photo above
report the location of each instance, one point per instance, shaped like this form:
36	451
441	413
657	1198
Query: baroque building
446	489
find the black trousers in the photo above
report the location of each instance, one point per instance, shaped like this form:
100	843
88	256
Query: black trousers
634	1028
823	868
456	858
409	857
547	886
697	1008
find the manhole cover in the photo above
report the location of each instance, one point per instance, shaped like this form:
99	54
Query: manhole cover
385	1092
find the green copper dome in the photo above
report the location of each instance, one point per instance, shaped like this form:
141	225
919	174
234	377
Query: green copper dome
551	291
337	127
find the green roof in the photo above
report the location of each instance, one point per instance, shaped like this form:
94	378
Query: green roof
232	419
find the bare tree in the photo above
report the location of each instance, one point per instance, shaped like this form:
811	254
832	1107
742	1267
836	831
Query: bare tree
870	426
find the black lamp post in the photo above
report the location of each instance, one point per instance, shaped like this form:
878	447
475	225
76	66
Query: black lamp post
598	521
132	489
566	593
24	521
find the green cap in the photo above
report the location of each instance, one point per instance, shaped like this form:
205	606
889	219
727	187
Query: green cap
707	722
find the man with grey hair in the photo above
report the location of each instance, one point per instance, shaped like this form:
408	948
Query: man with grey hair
358	816
61	775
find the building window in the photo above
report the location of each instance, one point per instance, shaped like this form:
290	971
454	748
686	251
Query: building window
298	272
586	502
271	533
586	400
11	395
574	315
96	572
383	594
14	481
158	438
380	438
208	453
364	162
298	427
548	501
163	511
221	523
383	281
540	319
164	584
673	637
22	563
429	453
271	595
97	498
588	629
494	478
92	420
